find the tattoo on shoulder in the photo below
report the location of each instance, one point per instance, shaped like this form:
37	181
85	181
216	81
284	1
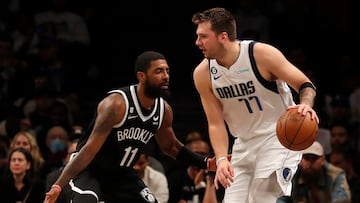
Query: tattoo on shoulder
105	120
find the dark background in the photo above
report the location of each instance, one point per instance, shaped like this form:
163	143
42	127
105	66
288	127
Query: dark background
325	31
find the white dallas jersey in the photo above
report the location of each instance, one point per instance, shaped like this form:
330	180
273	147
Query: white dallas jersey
251	104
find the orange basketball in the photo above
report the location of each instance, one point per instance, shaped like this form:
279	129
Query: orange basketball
295	131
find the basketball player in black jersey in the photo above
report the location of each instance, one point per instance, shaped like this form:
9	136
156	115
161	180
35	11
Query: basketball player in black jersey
126	120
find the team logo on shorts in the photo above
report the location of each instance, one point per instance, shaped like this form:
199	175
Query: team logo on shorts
147	195
286	173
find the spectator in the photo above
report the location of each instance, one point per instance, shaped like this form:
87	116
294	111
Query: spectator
339	109
65	195
20	185
319	181
340	136
192	136
56	141
155	180
344	160
343	139
194	180
24	139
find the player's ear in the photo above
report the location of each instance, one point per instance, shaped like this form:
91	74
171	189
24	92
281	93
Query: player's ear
223	35
140	76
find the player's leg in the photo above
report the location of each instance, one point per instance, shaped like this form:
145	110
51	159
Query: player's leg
86	189
133	190
275	168
265	190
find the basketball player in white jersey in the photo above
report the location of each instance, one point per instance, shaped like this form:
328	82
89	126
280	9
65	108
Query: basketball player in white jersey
244	83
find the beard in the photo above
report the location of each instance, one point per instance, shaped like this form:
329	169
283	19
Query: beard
153	91
310	176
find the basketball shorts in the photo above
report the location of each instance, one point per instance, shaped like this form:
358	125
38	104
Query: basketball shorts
90	188
263	169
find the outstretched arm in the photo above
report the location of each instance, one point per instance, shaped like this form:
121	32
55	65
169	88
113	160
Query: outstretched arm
171	146
109	112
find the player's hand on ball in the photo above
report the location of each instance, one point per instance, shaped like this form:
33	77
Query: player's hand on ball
295	130
304	109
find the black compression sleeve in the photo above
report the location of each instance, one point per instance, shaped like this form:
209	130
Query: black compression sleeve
189	157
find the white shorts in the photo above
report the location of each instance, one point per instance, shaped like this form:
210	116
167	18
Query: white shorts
263	171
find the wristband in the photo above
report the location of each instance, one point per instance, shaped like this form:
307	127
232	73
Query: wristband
307	84
56	186
220	159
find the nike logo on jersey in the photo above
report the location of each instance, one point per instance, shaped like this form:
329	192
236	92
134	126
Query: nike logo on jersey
131	117
217	77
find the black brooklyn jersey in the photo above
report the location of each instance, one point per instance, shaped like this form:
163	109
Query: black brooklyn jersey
128	138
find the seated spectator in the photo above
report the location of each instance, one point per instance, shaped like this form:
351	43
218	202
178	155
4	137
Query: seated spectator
66	192
26	140
318	181
344	160
56	143
194	180
20	184
56	147
340	136
343	139
155	180
192	136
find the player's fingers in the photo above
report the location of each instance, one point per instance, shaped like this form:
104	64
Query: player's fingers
231	171
225	178
216	184
49	197
225	182
304	109
314	115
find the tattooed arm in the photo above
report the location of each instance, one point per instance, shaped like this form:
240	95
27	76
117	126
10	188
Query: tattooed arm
109	112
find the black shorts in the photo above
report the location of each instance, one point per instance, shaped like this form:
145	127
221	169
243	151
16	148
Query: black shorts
89	188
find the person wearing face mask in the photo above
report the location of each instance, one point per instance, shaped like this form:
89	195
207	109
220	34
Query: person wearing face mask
56	141
66	194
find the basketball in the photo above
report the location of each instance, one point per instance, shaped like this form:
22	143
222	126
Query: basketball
295	131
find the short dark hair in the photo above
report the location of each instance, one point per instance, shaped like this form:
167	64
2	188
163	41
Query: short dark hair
143	61
221	20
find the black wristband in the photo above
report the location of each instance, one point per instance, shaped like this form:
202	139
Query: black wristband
307	84
189	157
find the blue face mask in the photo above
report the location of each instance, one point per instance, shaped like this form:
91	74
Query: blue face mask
56	146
